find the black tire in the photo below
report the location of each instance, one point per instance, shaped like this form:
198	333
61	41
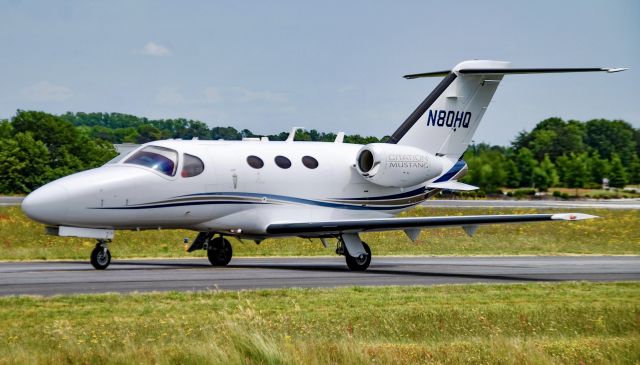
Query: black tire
356	264
100	259
219	251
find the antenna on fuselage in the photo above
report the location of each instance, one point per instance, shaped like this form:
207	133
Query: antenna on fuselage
339	137
292	134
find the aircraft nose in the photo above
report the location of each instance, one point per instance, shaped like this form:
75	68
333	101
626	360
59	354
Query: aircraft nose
47	204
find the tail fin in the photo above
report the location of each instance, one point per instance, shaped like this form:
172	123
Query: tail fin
444	123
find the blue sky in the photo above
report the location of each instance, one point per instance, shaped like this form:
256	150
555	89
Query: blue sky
329	65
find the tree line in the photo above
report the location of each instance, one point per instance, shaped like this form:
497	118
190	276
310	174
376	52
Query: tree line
38	147
558	153
125	128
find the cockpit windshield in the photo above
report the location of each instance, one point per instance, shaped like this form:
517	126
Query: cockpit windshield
164	160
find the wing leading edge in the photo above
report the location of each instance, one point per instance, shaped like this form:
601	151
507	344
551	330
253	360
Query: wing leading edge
389	224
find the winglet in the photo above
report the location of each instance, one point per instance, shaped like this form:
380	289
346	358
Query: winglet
292	134
514	71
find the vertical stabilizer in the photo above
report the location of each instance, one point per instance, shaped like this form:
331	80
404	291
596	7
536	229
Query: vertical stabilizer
444	123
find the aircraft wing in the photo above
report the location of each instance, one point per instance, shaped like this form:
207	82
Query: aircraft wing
469	222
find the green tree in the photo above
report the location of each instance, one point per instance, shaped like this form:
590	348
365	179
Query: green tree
573	170
611	137
545	175
634	170
24	163
513	174
6	130
486	167
553	137
53	131
526	164
226	133
599	168
302	135
70	149
618	175
148	133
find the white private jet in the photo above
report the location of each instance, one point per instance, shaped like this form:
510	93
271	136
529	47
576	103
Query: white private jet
260	189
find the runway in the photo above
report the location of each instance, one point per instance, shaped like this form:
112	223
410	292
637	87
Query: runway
66	277
10	200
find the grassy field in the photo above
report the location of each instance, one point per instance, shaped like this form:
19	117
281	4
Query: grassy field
618	232
596	193
570	323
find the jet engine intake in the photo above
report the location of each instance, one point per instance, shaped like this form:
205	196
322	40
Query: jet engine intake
394	165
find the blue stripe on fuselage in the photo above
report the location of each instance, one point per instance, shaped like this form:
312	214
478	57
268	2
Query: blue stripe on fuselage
452	171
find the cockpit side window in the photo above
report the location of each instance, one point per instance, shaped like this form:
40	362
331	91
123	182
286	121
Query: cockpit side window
164	160
192	166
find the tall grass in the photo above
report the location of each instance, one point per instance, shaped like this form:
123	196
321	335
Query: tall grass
567	323
617	232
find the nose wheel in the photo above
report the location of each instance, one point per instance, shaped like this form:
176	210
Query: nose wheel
100	256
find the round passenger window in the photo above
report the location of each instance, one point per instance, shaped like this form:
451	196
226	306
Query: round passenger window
310	162
192	166
255	162
283	162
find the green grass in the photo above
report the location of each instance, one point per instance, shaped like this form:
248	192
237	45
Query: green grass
612	193
618	232
568	323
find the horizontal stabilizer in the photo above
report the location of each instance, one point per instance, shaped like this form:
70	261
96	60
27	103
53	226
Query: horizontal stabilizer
428	74
514	71
452	185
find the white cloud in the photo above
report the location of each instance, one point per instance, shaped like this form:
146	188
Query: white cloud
347	88
212	95
154	49
169	95
46	91
246	95
209	95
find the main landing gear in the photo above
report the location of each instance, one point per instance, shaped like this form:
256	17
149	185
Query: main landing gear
356	252
219	250
100	256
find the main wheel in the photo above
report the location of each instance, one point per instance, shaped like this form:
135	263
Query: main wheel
100	258
359	263
219	251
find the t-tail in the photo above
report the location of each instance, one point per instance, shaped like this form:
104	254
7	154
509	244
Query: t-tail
444	123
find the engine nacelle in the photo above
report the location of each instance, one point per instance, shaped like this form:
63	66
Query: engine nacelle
393	165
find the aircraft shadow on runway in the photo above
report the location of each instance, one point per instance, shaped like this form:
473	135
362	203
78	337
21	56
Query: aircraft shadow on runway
323	267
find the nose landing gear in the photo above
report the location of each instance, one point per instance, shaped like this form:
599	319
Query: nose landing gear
100	256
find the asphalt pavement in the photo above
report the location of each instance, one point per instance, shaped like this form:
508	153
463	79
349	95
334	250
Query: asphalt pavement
10	200
65	277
